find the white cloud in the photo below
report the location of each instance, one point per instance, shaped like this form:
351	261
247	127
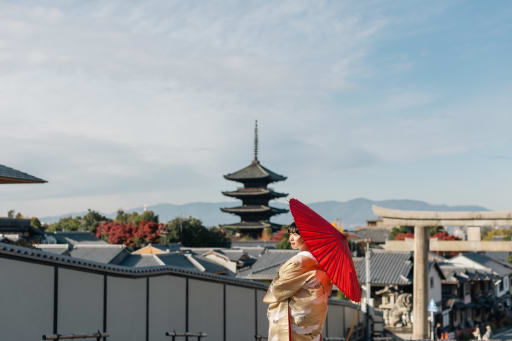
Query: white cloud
116	102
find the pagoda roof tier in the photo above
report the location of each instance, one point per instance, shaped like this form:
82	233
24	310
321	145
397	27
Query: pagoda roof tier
253	209
254	192
12	176
251	225
255	171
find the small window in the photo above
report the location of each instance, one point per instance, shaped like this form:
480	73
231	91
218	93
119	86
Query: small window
431	282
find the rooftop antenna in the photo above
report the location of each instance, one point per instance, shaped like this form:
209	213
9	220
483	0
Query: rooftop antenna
256	141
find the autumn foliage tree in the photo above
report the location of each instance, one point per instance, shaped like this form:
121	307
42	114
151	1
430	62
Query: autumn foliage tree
131	235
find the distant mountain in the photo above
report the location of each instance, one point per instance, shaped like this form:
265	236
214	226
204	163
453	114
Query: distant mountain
352	213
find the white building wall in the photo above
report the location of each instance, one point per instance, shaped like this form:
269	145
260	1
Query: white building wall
434	292
167	298
126	310
80	302
26	300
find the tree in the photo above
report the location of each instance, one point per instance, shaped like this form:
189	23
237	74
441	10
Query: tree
35	223
504	232
400	230
90	221
284	243
135	218
191	232
10	214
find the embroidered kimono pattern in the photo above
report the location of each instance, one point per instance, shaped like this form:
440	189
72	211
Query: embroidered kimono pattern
297	299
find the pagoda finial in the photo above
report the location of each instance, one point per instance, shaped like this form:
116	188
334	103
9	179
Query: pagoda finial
256	141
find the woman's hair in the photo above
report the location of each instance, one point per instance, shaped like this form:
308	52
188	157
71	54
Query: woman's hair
292	228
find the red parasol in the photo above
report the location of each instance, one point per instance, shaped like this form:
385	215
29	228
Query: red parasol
329	247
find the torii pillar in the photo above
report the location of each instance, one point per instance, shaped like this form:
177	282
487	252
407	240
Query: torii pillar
421	220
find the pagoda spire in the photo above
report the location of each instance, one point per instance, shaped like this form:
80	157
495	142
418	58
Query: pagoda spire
256	141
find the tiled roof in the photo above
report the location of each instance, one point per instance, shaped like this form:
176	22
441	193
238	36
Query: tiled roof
386	268
14	225
211	266
245	225
186	261
97	253
77	238
488	262
454	273
60	249
254	192
178	260
267	264
10	175
253	209
33	255
138	261
377	235
255	171
253	243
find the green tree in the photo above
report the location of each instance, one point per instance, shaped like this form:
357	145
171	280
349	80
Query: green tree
505	233
10	214
90	221
135	218
191	232
19	215
35	223
432	230
284	243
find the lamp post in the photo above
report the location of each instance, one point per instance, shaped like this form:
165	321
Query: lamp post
368	291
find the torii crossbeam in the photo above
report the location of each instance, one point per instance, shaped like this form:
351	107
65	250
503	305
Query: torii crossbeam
422	219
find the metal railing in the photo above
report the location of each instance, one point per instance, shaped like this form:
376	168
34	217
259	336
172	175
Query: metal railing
186	335
98	336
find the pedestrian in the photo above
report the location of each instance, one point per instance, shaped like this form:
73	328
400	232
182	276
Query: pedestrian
298	295
438	331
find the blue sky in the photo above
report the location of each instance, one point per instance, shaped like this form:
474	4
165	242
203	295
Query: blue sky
126	103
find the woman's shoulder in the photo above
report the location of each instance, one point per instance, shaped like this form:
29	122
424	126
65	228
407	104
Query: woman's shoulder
302	258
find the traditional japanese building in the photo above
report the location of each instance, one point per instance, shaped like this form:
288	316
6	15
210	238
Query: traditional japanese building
255	212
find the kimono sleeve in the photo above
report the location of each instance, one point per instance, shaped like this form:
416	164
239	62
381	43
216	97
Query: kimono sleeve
288	281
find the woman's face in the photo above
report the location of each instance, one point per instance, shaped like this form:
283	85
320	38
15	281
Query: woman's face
297	242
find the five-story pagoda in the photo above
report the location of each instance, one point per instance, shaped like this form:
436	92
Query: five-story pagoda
255	211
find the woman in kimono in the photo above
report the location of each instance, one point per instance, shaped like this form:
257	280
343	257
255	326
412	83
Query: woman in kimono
298	295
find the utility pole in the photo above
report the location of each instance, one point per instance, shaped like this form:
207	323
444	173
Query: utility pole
368	291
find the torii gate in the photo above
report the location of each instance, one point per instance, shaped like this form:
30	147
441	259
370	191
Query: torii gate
422	219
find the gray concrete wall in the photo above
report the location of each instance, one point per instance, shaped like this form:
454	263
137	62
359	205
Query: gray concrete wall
206	308
126	309
166	306
80	302
26	300
27	311
262	314
240	313
335	321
